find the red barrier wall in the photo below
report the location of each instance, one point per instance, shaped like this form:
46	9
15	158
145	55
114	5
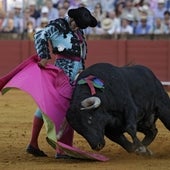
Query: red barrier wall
154	54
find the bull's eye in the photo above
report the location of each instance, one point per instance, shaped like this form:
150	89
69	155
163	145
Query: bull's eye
90	117
90	120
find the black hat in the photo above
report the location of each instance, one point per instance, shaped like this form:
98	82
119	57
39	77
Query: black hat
82	17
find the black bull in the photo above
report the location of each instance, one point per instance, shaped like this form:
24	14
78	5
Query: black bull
131	101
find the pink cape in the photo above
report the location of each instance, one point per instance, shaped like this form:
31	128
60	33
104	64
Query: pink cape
51	90
80	154
49	87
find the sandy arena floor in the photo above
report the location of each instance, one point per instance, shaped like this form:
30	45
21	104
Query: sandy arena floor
17	110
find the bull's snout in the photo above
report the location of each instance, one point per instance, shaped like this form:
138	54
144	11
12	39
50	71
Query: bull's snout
99	146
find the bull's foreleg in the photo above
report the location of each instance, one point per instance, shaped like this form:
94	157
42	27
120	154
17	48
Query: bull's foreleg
150	135
130	117
148	128
140	148
121	140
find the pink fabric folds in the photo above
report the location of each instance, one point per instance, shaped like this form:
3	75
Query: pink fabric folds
80	154
49	87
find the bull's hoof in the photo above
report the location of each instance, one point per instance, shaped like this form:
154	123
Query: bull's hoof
142	150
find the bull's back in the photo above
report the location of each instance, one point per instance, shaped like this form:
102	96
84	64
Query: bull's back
139	79
136	75
99	70
139	75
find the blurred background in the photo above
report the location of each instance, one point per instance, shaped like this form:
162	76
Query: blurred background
128	31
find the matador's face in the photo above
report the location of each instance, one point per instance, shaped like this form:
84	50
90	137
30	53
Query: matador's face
73	24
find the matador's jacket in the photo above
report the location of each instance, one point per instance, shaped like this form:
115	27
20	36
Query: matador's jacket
69	46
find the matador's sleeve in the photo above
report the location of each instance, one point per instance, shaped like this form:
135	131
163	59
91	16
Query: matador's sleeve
41	39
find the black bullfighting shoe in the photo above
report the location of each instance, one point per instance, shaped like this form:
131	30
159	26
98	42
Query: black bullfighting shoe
36	152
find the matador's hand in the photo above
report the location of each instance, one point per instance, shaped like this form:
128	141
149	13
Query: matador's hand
43	62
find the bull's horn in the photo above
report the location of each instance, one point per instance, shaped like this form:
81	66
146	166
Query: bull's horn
90	103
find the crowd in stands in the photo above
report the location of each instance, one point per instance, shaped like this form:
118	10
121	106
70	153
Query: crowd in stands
137	17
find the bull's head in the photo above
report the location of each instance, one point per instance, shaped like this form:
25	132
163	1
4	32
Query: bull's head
88	120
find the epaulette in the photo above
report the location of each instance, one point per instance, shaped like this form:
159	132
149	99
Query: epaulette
61	24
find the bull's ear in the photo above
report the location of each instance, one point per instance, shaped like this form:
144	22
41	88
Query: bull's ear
90	103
